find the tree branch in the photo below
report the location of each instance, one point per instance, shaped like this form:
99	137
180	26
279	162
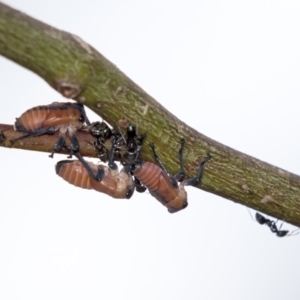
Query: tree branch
78	71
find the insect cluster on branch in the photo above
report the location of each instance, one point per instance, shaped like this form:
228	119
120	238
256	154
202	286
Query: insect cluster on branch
68	118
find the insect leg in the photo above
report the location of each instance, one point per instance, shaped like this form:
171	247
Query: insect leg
181	174
58	146
100	173
157	158
111	155
294	232
138	186
74	144
140	141
41	131
87	121
196	180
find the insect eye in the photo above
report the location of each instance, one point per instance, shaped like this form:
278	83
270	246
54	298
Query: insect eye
129	193
184	205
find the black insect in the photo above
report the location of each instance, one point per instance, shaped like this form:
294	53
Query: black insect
130	144
134	144
262	220
102	132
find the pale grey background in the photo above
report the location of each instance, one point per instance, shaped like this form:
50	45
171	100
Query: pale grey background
230	69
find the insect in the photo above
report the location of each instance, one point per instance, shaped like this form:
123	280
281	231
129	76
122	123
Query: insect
133	143
111	181
133	148
161	184
47	119
102	132
262	220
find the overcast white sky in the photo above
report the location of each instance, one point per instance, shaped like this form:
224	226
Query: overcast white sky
239	63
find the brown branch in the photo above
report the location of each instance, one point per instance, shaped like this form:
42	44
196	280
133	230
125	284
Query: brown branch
46	142
78	71
43	143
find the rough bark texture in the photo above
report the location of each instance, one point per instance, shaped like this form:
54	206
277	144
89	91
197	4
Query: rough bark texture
78	71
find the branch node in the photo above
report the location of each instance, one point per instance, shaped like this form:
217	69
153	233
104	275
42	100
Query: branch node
68	89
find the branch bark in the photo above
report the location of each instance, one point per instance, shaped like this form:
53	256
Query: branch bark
78	71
